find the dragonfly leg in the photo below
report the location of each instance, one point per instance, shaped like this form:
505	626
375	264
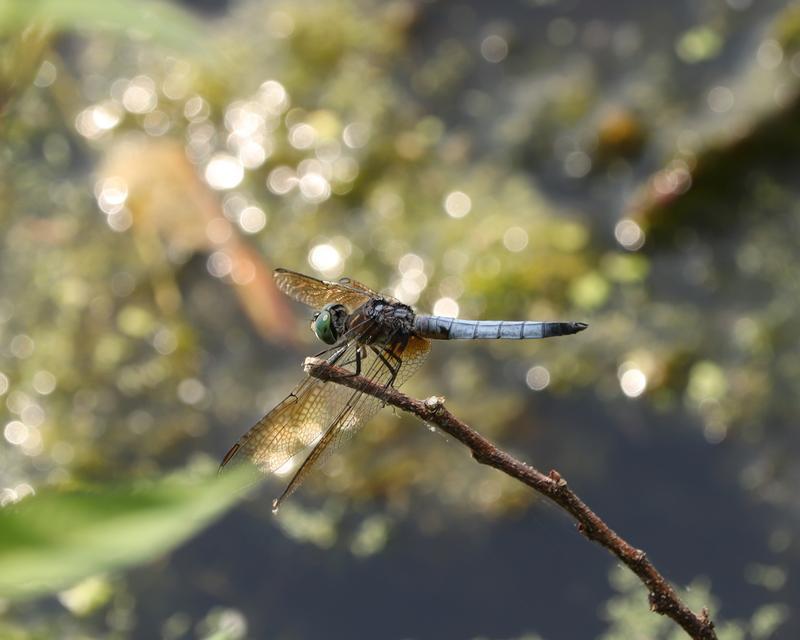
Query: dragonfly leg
357	358
336	356
393	369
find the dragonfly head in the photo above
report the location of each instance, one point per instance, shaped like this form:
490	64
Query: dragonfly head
329	323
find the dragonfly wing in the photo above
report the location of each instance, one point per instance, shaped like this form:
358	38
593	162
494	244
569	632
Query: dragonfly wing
317	293
297	423
359	407
355	284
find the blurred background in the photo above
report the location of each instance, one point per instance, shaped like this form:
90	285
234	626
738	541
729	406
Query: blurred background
629	164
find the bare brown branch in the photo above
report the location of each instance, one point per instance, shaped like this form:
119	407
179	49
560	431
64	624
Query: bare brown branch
663	598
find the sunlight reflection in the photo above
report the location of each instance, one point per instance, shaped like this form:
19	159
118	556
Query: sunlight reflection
457	204
140	95
224	171
33	415
356	135
325	258
44	382
632	380
494	48
120	221
251	153
22	346
629	234
111	194
314	187
96	120
219	264
446	307
252	219
33	445
302	136
272	95
720	99
16	432
577	164
191	391
156	123
282	180
196	109
515	239
411	265
411	286
537	378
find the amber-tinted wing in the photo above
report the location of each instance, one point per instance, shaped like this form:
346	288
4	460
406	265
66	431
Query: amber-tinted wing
355	284
317	293
321	414
359	408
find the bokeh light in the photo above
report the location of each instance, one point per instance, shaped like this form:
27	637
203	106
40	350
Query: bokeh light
457	204
537	378
224	171
252	219
629	234
325	258
632	380
494	48
314	187
515	239
140	95
447	307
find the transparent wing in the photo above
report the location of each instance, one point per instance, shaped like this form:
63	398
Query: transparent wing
322	415
360	407
317	293
295	424
355	284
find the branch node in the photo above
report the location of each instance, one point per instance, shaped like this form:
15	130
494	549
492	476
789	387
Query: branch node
555	476
435	404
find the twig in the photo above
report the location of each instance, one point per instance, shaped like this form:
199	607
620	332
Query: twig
663	599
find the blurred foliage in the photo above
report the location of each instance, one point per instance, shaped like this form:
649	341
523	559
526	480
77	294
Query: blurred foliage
633	173
53	540
628	616
163	23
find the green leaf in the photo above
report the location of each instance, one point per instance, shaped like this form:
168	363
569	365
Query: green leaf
160	21
53	539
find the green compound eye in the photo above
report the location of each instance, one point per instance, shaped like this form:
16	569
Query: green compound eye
323	328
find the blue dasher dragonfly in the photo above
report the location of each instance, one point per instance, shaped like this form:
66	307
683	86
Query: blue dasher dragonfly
372	335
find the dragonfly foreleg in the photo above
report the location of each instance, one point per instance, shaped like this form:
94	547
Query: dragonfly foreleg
359	356
338	348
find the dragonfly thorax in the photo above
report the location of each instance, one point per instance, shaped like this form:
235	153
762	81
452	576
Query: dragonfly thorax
383	322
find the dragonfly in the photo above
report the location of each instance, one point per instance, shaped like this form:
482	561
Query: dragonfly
372	335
